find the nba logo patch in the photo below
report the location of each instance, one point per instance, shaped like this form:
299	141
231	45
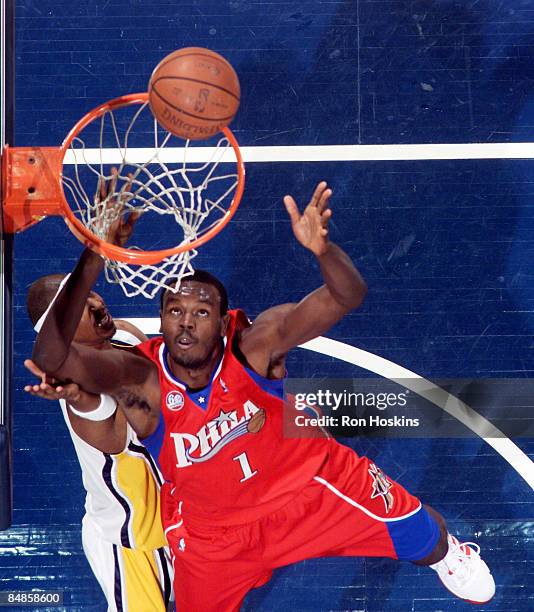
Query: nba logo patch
174	400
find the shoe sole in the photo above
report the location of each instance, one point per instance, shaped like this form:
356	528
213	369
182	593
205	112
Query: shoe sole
471	601
478	603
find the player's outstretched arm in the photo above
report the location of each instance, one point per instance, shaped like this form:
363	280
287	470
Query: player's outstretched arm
346	288
128	376
53	345
97	371
283	327
53	341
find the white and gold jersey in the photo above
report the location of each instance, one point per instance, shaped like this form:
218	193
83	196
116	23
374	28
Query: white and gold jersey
122	501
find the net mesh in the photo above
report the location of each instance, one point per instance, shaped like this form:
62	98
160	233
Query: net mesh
108	176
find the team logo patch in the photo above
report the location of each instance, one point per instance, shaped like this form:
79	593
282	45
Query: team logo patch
381	487
215	435
257	421
174	400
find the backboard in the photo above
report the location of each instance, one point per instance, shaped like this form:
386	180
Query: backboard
6	275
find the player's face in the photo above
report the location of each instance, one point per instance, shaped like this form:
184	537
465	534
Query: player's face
96	323
191	324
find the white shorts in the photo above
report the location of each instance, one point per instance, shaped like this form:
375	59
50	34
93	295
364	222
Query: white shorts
132	580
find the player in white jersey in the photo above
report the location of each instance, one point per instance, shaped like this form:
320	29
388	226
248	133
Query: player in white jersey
122	535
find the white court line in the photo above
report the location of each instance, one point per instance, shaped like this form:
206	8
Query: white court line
323	153
521	463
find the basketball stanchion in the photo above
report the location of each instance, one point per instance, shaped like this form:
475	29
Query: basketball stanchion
148	171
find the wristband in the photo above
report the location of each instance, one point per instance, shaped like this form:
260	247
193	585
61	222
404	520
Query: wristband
103	411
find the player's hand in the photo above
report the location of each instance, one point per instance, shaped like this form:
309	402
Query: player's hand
49	388
121	229
311	228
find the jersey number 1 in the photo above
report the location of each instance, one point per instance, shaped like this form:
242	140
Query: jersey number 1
245	466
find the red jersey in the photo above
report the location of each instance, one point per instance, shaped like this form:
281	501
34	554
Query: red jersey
223	448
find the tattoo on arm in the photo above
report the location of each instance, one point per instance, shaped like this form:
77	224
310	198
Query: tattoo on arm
129	400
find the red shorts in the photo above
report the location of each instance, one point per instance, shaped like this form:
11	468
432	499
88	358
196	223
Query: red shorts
349	509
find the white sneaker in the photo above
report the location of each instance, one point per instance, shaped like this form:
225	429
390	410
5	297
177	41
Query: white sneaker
464	574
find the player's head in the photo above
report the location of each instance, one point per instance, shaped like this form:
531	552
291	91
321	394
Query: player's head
96	322
200	276
194	319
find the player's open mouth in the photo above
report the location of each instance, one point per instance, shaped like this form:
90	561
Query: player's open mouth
184	342
102	318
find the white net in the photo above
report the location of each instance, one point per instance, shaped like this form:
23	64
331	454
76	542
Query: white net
177	193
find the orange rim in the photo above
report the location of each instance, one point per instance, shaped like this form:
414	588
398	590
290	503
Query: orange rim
139	257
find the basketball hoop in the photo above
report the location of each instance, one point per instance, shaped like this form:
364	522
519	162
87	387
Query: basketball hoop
198	187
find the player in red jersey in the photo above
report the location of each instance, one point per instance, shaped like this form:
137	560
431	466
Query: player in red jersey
241	498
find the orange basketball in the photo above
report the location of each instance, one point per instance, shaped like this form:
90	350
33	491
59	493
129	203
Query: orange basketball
194	93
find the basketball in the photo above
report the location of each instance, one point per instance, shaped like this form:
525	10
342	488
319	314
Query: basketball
194	93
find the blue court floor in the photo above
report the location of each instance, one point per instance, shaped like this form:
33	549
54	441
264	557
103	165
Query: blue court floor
446	247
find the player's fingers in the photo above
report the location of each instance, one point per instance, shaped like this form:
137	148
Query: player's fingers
34	393
325	217
47	388
109	189
46	396
124	196
128	225
324	199
101	188
132	218
113	180
34	369
128	185
318	193
292	209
